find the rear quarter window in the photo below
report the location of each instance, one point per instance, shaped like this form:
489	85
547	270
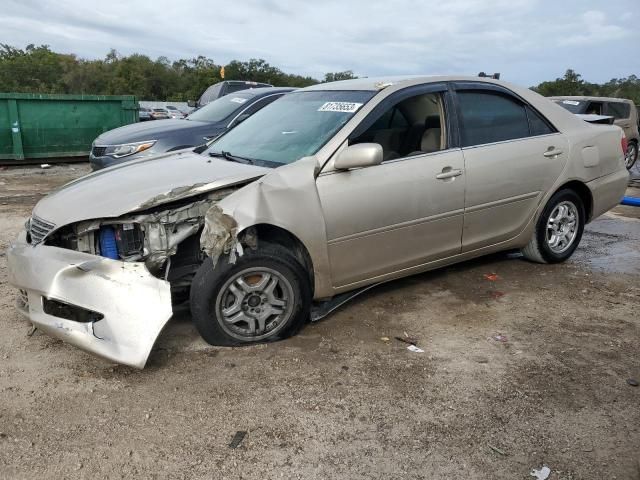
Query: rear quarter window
538	125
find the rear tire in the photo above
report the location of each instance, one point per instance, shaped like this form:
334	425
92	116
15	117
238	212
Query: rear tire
264	296
631	155
558	229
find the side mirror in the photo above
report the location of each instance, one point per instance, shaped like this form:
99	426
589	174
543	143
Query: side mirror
192	103
359	156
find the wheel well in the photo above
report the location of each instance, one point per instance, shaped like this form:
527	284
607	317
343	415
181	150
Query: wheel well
585	195
280	236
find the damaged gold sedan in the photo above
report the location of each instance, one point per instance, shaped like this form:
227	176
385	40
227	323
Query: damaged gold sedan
321	194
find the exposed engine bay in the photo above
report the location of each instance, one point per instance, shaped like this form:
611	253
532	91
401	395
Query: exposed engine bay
166	238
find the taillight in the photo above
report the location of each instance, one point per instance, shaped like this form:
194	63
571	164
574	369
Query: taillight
624	143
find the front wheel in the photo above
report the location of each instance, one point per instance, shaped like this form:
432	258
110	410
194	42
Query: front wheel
558	229
631	155
264	296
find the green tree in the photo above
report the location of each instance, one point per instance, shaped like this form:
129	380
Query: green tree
335	76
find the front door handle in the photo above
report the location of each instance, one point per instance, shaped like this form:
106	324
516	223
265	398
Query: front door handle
448	172
552	152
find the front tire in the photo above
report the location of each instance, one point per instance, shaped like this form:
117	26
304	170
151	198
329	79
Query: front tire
264	296
558	229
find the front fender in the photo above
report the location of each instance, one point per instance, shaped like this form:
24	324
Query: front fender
286	198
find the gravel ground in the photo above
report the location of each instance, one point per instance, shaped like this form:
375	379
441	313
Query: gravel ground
525	370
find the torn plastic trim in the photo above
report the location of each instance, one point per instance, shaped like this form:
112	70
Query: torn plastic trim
219	235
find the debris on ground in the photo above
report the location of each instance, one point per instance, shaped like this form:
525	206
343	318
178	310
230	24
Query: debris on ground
492	277
407	339
633	382
500	338
237	439
541	474
385	339
497	450
45	165
413	348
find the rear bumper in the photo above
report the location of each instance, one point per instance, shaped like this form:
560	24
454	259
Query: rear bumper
134	304
607	191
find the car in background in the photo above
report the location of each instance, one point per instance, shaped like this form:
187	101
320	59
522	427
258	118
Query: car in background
175	112
144	114
623	111
226	87
159	114
145	139
327	191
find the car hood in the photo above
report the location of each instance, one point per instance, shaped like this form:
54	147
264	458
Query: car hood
141	184
139	132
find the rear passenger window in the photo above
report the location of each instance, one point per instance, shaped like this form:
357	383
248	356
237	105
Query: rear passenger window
537	124
490	117
619	110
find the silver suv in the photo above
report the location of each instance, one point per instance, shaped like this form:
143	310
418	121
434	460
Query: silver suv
623	111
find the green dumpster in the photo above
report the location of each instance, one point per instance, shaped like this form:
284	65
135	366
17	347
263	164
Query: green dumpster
37	126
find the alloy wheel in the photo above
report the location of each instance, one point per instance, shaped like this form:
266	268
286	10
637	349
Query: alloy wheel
630	155
254	303
562	227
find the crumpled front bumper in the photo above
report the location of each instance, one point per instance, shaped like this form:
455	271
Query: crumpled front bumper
135	305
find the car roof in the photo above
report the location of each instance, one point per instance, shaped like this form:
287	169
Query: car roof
378	83
243	82
264	91
586	98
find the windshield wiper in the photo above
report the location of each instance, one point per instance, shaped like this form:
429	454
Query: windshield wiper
231	158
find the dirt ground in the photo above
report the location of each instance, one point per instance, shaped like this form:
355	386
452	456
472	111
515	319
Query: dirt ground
339	401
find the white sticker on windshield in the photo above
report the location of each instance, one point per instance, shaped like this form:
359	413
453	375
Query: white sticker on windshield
238	100
344	107
570	102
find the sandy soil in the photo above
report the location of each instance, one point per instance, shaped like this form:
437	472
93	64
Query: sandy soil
340	401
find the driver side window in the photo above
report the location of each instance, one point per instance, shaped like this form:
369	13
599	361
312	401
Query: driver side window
413	126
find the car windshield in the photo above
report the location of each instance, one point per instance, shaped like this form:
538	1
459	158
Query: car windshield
222	108
293	127
574	106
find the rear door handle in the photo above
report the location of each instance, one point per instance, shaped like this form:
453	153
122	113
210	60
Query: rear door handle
552	152
448	172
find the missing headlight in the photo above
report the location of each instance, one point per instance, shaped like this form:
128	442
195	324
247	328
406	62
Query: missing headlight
121	241
129	239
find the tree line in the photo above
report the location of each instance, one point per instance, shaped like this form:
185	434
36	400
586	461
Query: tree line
572	83
38	69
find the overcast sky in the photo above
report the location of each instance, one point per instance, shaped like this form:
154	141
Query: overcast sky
528	41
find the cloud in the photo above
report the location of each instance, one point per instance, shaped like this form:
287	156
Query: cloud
595	29
527	40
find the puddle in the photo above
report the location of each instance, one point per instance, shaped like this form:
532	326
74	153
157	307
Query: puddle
611	244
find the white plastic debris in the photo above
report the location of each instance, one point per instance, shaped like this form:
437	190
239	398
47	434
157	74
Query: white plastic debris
45	165
415	349
541	474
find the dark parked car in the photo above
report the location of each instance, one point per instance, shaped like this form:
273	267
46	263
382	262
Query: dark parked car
145	139
221	89
144	114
